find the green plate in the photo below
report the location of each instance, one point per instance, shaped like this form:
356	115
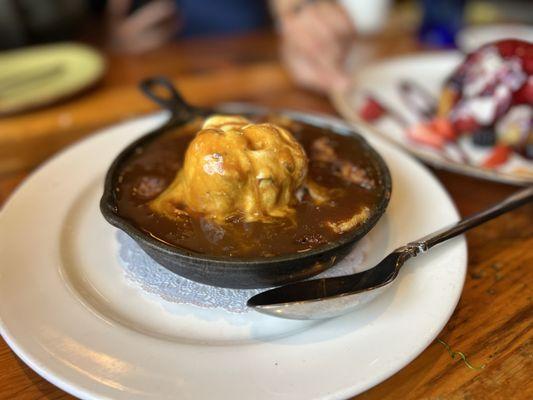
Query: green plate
42	75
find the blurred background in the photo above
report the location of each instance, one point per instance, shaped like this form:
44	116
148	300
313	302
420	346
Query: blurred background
313	34
68	67
141	25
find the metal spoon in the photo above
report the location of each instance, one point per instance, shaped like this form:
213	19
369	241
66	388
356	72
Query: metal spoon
330	297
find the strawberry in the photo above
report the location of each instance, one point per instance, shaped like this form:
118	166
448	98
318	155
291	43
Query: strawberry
499	156
371	110
465	125
525	94
423	134
443	127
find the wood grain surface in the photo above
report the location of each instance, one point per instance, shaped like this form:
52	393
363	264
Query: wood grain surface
493	321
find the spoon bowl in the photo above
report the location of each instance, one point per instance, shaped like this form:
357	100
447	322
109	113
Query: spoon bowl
319	309
330	297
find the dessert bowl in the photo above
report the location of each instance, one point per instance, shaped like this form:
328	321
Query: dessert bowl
234	271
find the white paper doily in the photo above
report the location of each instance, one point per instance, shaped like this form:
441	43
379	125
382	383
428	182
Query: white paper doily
144	272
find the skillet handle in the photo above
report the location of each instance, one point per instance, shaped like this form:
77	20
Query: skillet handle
161	90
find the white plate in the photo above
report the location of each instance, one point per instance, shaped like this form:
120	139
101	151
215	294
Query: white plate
475	36
68	312
429	71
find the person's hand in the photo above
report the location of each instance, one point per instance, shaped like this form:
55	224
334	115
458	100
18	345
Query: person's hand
148	27
315	36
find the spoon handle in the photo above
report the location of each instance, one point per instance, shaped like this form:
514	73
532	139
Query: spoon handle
510	203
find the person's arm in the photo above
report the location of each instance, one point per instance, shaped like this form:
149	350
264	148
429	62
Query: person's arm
315	36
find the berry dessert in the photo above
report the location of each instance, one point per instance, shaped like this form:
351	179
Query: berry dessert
490	97
487	101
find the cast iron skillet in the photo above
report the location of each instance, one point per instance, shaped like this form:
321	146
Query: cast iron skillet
228	271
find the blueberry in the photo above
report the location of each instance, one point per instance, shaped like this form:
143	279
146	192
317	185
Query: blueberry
528	151
484	136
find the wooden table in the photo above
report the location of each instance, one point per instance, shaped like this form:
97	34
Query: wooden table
492	322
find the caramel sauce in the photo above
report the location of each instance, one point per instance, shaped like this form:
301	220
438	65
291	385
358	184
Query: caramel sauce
152	167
